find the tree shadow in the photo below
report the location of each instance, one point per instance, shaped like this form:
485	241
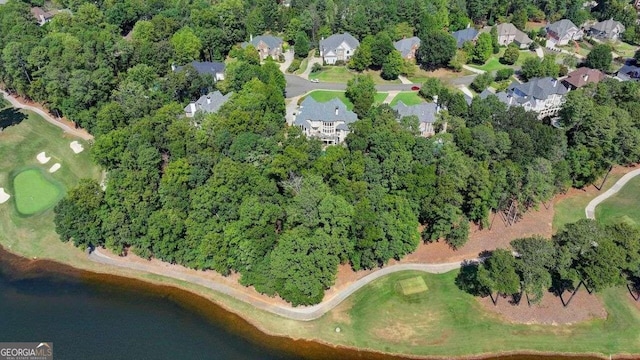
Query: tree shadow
9	117
467	280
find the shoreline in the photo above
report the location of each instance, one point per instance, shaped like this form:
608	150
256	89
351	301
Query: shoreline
156	286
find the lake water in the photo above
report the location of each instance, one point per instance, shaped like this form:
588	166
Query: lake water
92	316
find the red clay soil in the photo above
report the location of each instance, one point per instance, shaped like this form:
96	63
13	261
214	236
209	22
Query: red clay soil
549	311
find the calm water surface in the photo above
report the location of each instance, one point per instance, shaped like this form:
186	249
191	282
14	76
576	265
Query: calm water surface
91	316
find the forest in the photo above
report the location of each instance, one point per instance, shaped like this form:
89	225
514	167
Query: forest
241	192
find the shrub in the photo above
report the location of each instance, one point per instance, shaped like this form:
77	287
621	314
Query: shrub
504	74
482	82
295	65
511	55
316	67
339	63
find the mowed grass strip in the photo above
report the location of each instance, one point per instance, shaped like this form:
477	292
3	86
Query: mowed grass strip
623	206
33	192
446	321
327	95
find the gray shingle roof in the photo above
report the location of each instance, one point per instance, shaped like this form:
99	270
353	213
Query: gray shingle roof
538	88
271	41
462	36
206	68
405	45
426	112
628	72
562	27
608	26
209	103
333	42
311	109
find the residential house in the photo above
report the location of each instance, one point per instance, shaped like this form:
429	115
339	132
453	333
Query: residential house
425	112
462	36
42	17
508	33
607	30
328	121
207	104
338	47
407	47
636	3
628	72
213	68
562	32
544	96
582	77
267	45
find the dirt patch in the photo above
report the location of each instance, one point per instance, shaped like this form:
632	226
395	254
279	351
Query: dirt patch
395	333
549	311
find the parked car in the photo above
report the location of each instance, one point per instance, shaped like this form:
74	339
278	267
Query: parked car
415	88
315	80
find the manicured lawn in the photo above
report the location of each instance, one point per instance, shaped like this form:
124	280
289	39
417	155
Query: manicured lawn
340	74
624	49
571	209
34	192
445	321
408	98
19	144
326	95
494	64
623	206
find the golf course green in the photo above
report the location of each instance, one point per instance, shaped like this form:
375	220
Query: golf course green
33	192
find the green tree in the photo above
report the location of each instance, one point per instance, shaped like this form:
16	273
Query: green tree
436	50
362	57
536	258
381	47
498	274
482	81
392	66
78	216
511	55
302	45
431	87
483	49
186	45
361	91
600	57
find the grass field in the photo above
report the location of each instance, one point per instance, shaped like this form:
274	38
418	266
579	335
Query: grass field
623	206
303	66
19	145
624	49
340	74
326	95
571	209
446	321
494	64
33	192
408	98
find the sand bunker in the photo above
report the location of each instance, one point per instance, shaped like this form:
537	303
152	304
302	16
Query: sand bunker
54	168
42	158
3	196
76	147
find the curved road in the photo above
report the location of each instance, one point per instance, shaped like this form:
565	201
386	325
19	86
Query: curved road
302	313
18	105
590	210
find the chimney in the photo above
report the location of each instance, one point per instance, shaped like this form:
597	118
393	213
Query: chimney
173	67
208	99
336	110
585	77
554	82
250	37
193	108
435	99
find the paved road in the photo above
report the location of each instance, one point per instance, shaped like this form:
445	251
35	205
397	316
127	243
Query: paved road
18	105
302	313
590	210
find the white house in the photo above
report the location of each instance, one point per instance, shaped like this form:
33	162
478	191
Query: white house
338	47
562	32
328	121
425	112
544	96
208	104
